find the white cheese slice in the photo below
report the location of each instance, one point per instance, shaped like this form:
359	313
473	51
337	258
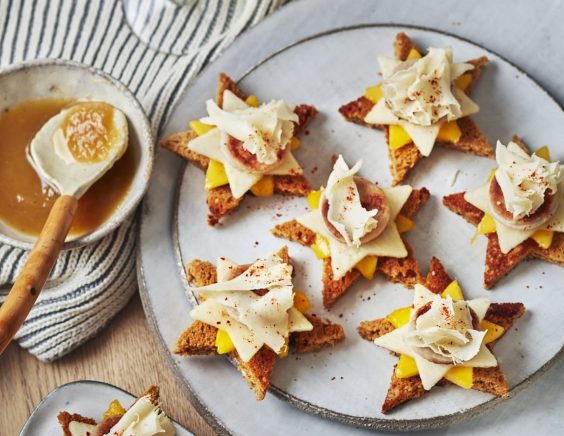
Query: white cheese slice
267	316
467	105
397	196
208	145
423	137
556	223
430	373
232	103
262	274
244	340
240	181
288	166
226	269
393	341
381	114
484	359
387	65
480	306
81	428
479	198
297	322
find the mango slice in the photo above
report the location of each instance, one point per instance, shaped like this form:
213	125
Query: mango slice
200	128
494	331
404	224
295	143
264	187
114	409
284	350
450	132
398	137
367	266
543	238
464	81
413	54
301	302
454	290
321	247
252	101
544	152
215	175
492	174
399	317
313	198
373	93
223	342
486	225
406	367
461	376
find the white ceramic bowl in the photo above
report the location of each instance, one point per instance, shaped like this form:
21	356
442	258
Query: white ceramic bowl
55	78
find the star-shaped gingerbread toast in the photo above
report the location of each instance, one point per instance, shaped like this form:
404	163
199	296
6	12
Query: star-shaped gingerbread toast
465	137
221	200
406	384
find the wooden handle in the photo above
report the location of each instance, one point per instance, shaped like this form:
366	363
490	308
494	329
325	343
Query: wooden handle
36	270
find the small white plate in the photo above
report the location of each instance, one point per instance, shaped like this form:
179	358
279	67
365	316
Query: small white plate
87	398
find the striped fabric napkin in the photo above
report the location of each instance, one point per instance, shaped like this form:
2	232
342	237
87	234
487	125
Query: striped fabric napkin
155	47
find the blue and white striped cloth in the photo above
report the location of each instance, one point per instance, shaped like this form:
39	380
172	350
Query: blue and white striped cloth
155	47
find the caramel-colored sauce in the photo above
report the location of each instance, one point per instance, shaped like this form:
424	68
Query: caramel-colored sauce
25	201
89	131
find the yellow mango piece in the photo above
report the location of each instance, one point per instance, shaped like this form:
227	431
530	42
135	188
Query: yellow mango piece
215	175
264	187
492	174
544	152
284	350
399	317
450	132
301	302
486	225
398	137
404	224
374	93
406	367
114	409
295	143
454	290
367	266
543	238
321	247
200	128
413	54
464	81
494	331
252	101
461	376
313	198
223	342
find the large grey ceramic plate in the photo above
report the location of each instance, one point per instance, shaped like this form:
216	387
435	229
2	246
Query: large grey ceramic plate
87	398
349	383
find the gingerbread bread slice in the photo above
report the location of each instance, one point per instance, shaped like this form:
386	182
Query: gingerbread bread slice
490	380
199	338
497	263
403	159
221	201
405	271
